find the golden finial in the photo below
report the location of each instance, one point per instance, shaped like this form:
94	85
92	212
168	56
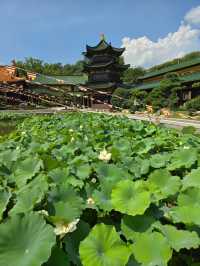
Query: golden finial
102	37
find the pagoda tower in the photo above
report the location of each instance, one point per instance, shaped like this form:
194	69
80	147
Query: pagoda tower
103	67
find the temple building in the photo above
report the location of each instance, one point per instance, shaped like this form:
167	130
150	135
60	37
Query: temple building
189	74
104	68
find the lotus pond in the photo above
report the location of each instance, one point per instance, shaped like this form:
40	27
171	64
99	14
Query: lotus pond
91	189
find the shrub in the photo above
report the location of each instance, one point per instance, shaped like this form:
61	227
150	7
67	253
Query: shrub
166	95
137	101
124	94
193	104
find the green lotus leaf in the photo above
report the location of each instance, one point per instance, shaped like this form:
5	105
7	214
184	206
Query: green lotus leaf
25	240
102	200
30	195
144	146
152	249
72	242
110	172
65	193
75	182
59	175
163	183
133	226
83	171
9	156
159	160
132	262
26	169
139	167
49	162
179	239
65	212
103	247
130	197
189	197
183	158
186	214
192	179
188	208
4	199
58	257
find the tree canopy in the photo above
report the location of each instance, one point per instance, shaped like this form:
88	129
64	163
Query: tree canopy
131	75
39	66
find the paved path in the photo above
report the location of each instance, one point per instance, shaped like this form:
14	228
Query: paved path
172	122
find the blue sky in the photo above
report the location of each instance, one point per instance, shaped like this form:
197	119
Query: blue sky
57	31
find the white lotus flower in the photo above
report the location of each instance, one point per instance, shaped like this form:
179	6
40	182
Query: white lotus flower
186	147
104	155
62	229
44	212
90	201
93	180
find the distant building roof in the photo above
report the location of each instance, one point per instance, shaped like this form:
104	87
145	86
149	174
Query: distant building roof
60	80
186	78
171	68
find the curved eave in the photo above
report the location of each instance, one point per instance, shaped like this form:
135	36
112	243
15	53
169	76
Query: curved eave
99	65
108	85
106	65
109	50
103	46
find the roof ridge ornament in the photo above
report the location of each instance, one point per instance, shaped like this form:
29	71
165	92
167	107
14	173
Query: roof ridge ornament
102	37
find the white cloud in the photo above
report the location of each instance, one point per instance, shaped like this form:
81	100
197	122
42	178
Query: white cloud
193	16
145	52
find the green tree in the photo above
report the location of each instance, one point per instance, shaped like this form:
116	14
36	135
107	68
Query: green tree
131	75
166	95
137	100
124	94
38	66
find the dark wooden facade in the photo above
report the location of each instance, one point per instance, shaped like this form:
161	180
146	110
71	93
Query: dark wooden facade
103	67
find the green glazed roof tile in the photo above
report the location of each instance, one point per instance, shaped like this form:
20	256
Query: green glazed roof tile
184	79
171	68
60	80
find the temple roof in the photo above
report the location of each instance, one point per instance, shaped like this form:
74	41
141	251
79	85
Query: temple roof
172	68
194	77
103	46
60	80
106	65
7	74
99	65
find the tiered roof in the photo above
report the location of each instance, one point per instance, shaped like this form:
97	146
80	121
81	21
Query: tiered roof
103	46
